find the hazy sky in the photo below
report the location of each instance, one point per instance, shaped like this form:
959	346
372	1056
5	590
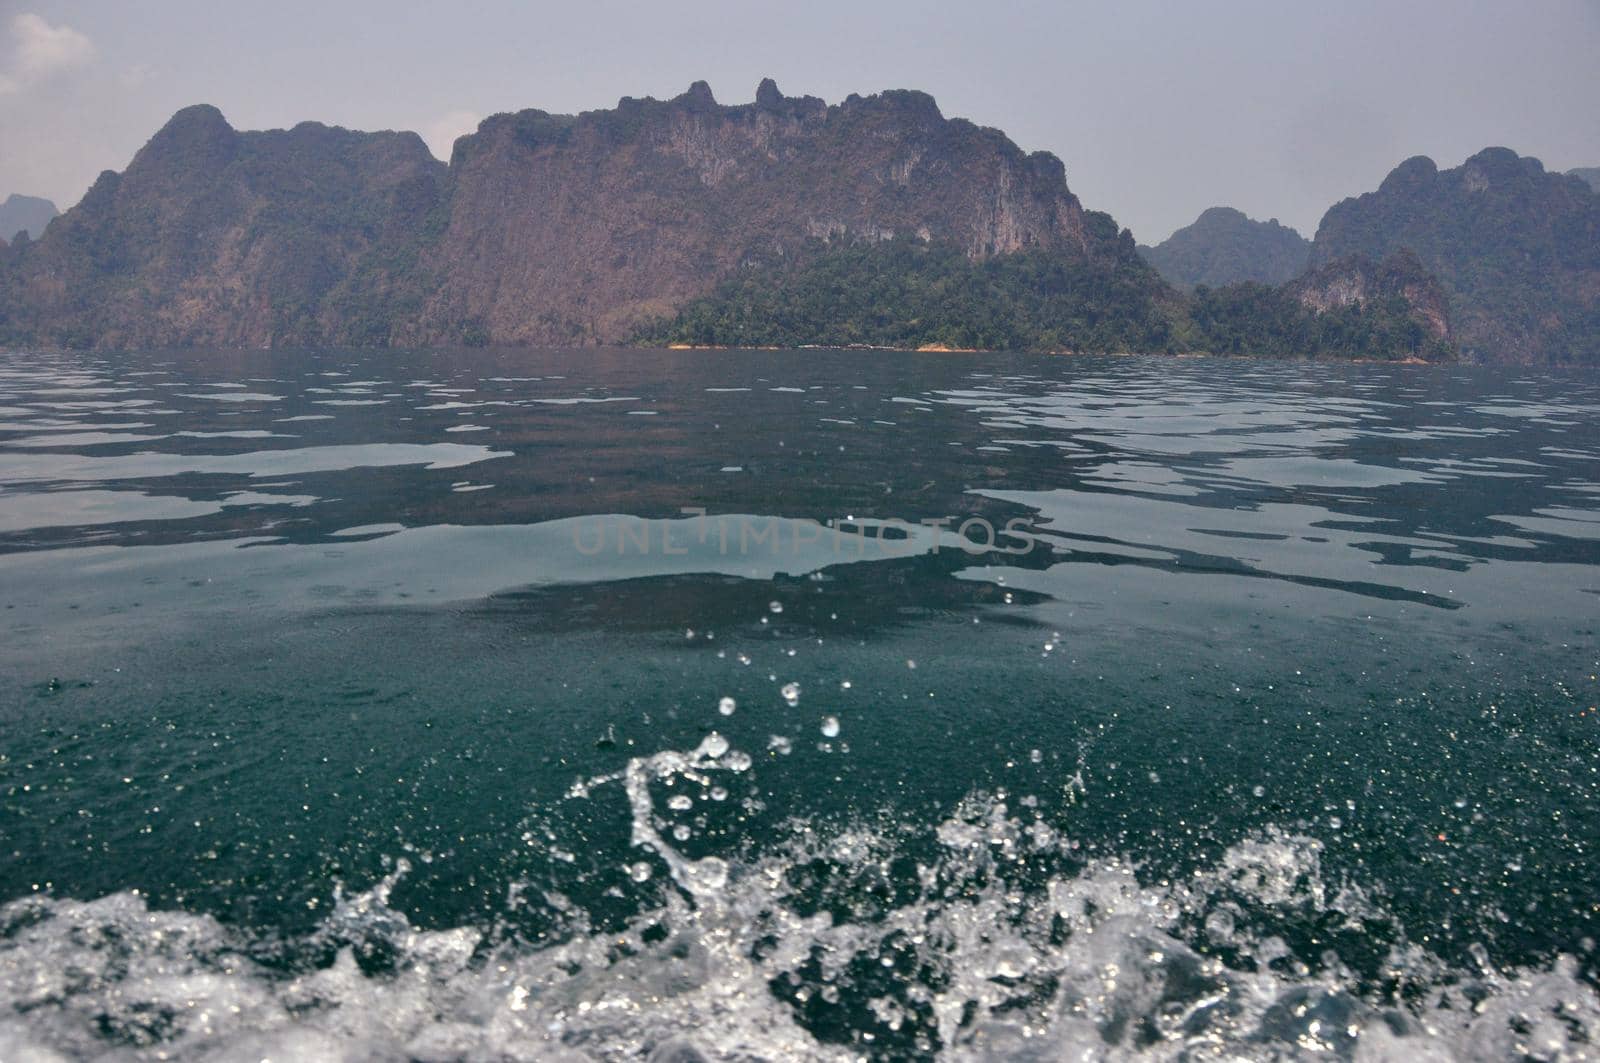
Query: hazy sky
1158	110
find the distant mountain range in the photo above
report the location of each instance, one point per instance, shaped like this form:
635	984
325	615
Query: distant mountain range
1222	246
876	221
25	214
1591	174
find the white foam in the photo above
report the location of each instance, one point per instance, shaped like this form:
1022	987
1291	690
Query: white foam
740	958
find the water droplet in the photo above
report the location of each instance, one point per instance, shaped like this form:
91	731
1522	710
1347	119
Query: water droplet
726	706
830	727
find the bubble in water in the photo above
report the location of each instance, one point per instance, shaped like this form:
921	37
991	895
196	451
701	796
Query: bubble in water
737	761
1260	791
680	802
844	684
744	658
830	727
682	832
1036	756
714	745
791	694
719	793
911	664
640	872
776	607
726	706
779	744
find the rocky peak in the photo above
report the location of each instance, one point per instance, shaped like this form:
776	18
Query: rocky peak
767	95
1415	173
698	97
197	137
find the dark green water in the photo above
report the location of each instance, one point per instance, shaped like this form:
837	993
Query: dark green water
369	706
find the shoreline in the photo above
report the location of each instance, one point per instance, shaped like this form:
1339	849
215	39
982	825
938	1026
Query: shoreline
928	348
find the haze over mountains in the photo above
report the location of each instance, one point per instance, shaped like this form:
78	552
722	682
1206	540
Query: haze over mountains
876	220
1223	246
25	214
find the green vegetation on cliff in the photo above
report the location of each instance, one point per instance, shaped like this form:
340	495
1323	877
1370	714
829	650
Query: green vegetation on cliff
906	294
1265	321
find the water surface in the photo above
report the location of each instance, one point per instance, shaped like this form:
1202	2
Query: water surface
605	705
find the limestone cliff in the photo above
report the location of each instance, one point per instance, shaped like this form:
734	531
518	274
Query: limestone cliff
579	229
543	229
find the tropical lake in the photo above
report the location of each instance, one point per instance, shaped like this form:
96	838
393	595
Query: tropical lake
741	705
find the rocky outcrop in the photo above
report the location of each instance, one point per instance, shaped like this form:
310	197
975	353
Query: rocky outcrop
1358	281
1223	246
543	229
1516	250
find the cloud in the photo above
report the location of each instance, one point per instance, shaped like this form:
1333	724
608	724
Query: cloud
441	133
41	50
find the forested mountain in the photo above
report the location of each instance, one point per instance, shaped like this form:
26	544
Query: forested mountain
1222	246
1516	248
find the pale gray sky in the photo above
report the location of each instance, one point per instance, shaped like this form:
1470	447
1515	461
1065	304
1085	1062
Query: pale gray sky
1159	110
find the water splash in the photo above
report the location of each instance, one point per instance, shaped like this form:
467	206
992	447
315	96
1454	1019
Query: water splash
846	943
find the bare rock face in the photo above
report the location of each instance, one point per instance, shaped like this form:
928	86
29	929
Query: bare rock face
1358	281
543	229
577	229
